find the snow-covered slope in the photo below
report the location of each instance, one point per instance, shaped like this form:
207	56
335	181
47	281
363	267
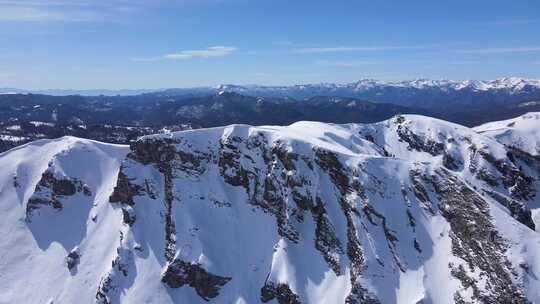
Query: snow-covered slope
410	209
522	133
54	200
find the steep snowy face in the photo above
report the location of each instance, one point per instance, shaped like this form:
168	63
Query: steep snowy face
407	210
522	133
57	227
508	175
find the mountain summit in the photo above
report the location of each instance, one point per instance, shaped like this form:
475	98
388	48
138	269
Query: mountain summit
408	210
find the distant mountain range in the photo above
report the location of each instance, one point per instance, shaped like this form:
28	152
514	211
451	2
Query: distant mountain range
90	92
218	108
423	93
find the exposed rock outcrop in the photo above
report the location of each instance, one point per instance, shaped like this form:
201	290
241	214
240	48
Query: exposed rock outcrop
179	273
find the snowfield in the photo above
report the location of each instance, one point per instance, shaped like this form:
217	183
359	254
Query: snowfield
408	210
522	133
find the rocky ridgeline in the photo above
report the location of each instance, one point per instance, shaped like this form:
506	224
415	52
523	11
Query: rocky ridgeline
510	177
247	211
286	184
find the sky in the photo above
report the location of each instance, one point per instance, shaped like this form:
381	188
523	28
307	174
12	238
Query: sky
148	44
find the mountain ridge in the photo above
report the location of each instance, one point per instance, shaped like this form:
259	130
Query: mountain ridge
513	84
521	133
308	213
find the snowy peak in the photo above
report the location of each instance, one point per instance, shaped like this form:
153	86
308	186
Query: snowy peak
514	83
424	93
521	133
408	210
505	83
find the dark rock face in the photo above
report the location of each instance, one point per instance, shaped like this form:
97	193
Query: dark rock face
121	262
341	176
419	143
170	227
507	173
72	259
450	162
360	295
520	185
63	187
111	283
104	287
51	189
476	241
180	273
229	163
520	212
326	240
128	216
503	176
281	292
153	151
124	190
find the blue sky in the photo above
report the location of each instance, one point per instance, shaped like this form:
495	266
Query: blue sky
156	43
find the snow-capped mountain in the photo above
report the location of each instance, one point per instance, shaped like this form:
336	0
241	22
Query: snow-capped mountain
511	84
424	93
522	133
400	92
408	210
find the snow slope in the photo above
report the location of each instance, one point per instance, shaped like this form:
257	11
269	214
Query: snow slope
406	210
522	133
34	247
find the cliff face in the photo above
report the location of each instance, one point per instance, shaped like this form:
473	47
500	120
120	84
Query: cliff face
407	210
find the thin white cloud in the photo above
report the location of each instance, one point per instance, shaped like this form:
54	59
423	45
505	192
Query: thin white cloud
531	49
68	10
41	14
83	3
213	51
58	10
464	62
342	49
508	22
146	59
81	10
347	63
